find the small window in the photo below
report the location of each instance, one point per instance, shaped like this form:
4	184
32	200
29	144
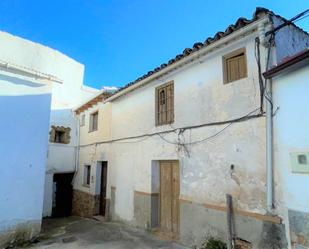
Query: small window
82	120
302	159
165	104
59	137
93	124
87	172
59	134
235	66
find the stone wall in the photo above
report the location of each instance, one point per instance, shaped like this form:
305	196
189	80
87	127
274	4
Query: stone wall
85	204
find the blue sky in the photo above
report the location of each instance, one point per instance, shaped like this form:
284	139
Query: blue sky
118	41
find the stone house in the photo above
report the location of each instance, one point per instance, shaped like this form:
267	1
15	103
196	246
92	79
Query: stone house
162	152
289	81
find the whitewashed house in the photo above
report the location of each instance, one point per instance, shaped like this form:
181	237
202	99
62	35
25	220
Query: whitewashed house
25	100
63	134
38	89
163	152
290	89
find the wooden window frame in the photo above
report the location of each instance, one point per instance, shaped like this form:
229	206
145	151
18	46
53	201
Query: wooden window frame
228	56
91	129
170	113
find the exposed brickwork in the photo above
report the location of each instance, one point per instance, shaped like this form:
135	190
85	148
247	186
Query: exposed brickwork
85	204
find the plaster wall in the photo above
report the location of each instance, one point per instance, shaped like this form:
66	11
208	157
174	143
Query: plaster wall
103	132
65	96
25	108
290	136
204	166
289	40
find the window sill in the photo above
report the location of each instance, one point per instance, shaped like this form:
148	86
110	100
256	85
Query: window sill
92	131
229	82
162	125
86	185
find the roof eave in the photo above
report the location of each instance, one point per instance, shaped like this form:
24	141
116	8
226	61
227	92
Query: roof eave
236	34
295	62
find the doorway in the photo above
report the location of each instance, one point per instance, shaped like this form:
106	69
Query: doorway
169	198
62	200
102	208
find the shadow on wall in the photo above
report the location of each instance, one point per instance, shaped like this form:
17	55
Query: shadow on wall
23	131
18	81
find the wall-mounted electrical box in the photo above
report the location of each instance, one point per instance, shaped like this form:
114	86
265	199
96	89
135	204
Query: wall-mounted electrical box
300	162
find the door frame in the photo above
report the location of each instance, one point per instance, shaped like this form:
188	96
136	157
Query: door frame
103	164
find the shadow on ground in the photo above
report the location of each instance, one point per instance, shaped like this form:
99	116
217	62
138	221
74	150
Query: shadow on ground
74	232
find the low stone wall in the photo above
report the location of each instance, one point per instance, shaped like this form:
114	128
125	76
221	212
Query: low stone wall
19	233
85	204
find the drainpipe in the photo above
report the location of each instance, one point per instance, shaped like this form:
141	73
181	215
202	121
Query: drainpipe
76	148
269	146
77	144
266	44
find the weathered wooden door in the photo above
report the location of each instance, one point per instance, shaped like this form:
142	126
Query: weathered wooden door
169	197
103	188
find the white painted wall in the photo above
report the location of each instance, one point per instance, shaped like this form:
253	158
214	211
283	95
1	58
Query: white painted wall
65	96
291	134
200	97
24	110
289	40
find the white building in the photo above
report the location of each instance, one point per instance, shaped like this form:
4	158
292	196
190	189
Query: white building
163	152
290	89
63	134
25	100
38	89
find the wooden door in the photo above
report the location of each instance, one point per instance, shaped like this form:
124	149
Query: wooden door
103	189
169	198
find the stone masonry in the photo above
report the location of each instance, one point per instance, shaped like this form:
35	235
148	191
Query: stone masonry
85	204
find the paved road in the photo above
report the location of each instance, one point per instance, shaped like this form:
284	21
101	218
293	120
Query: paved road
73	232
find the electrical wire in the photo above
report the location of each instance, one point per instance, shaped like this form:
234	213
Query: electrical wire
236	120
207	138
288	22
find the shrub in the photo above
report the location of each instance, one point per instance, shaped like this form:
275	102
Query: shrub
214	244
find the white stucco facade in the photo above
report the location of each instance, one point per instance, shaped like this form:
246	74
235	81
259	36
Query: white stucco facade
216	159
206	172
64	97
291	138
25	102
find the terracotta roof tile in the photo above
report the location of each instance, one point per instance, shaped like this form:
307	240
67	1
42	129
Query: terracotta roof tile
240	23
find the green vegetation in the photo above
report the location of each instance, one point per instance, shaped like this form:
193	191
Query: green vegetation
213	244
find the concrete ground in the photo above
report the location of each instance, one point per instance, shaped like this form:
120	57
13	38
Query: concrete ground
74	232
